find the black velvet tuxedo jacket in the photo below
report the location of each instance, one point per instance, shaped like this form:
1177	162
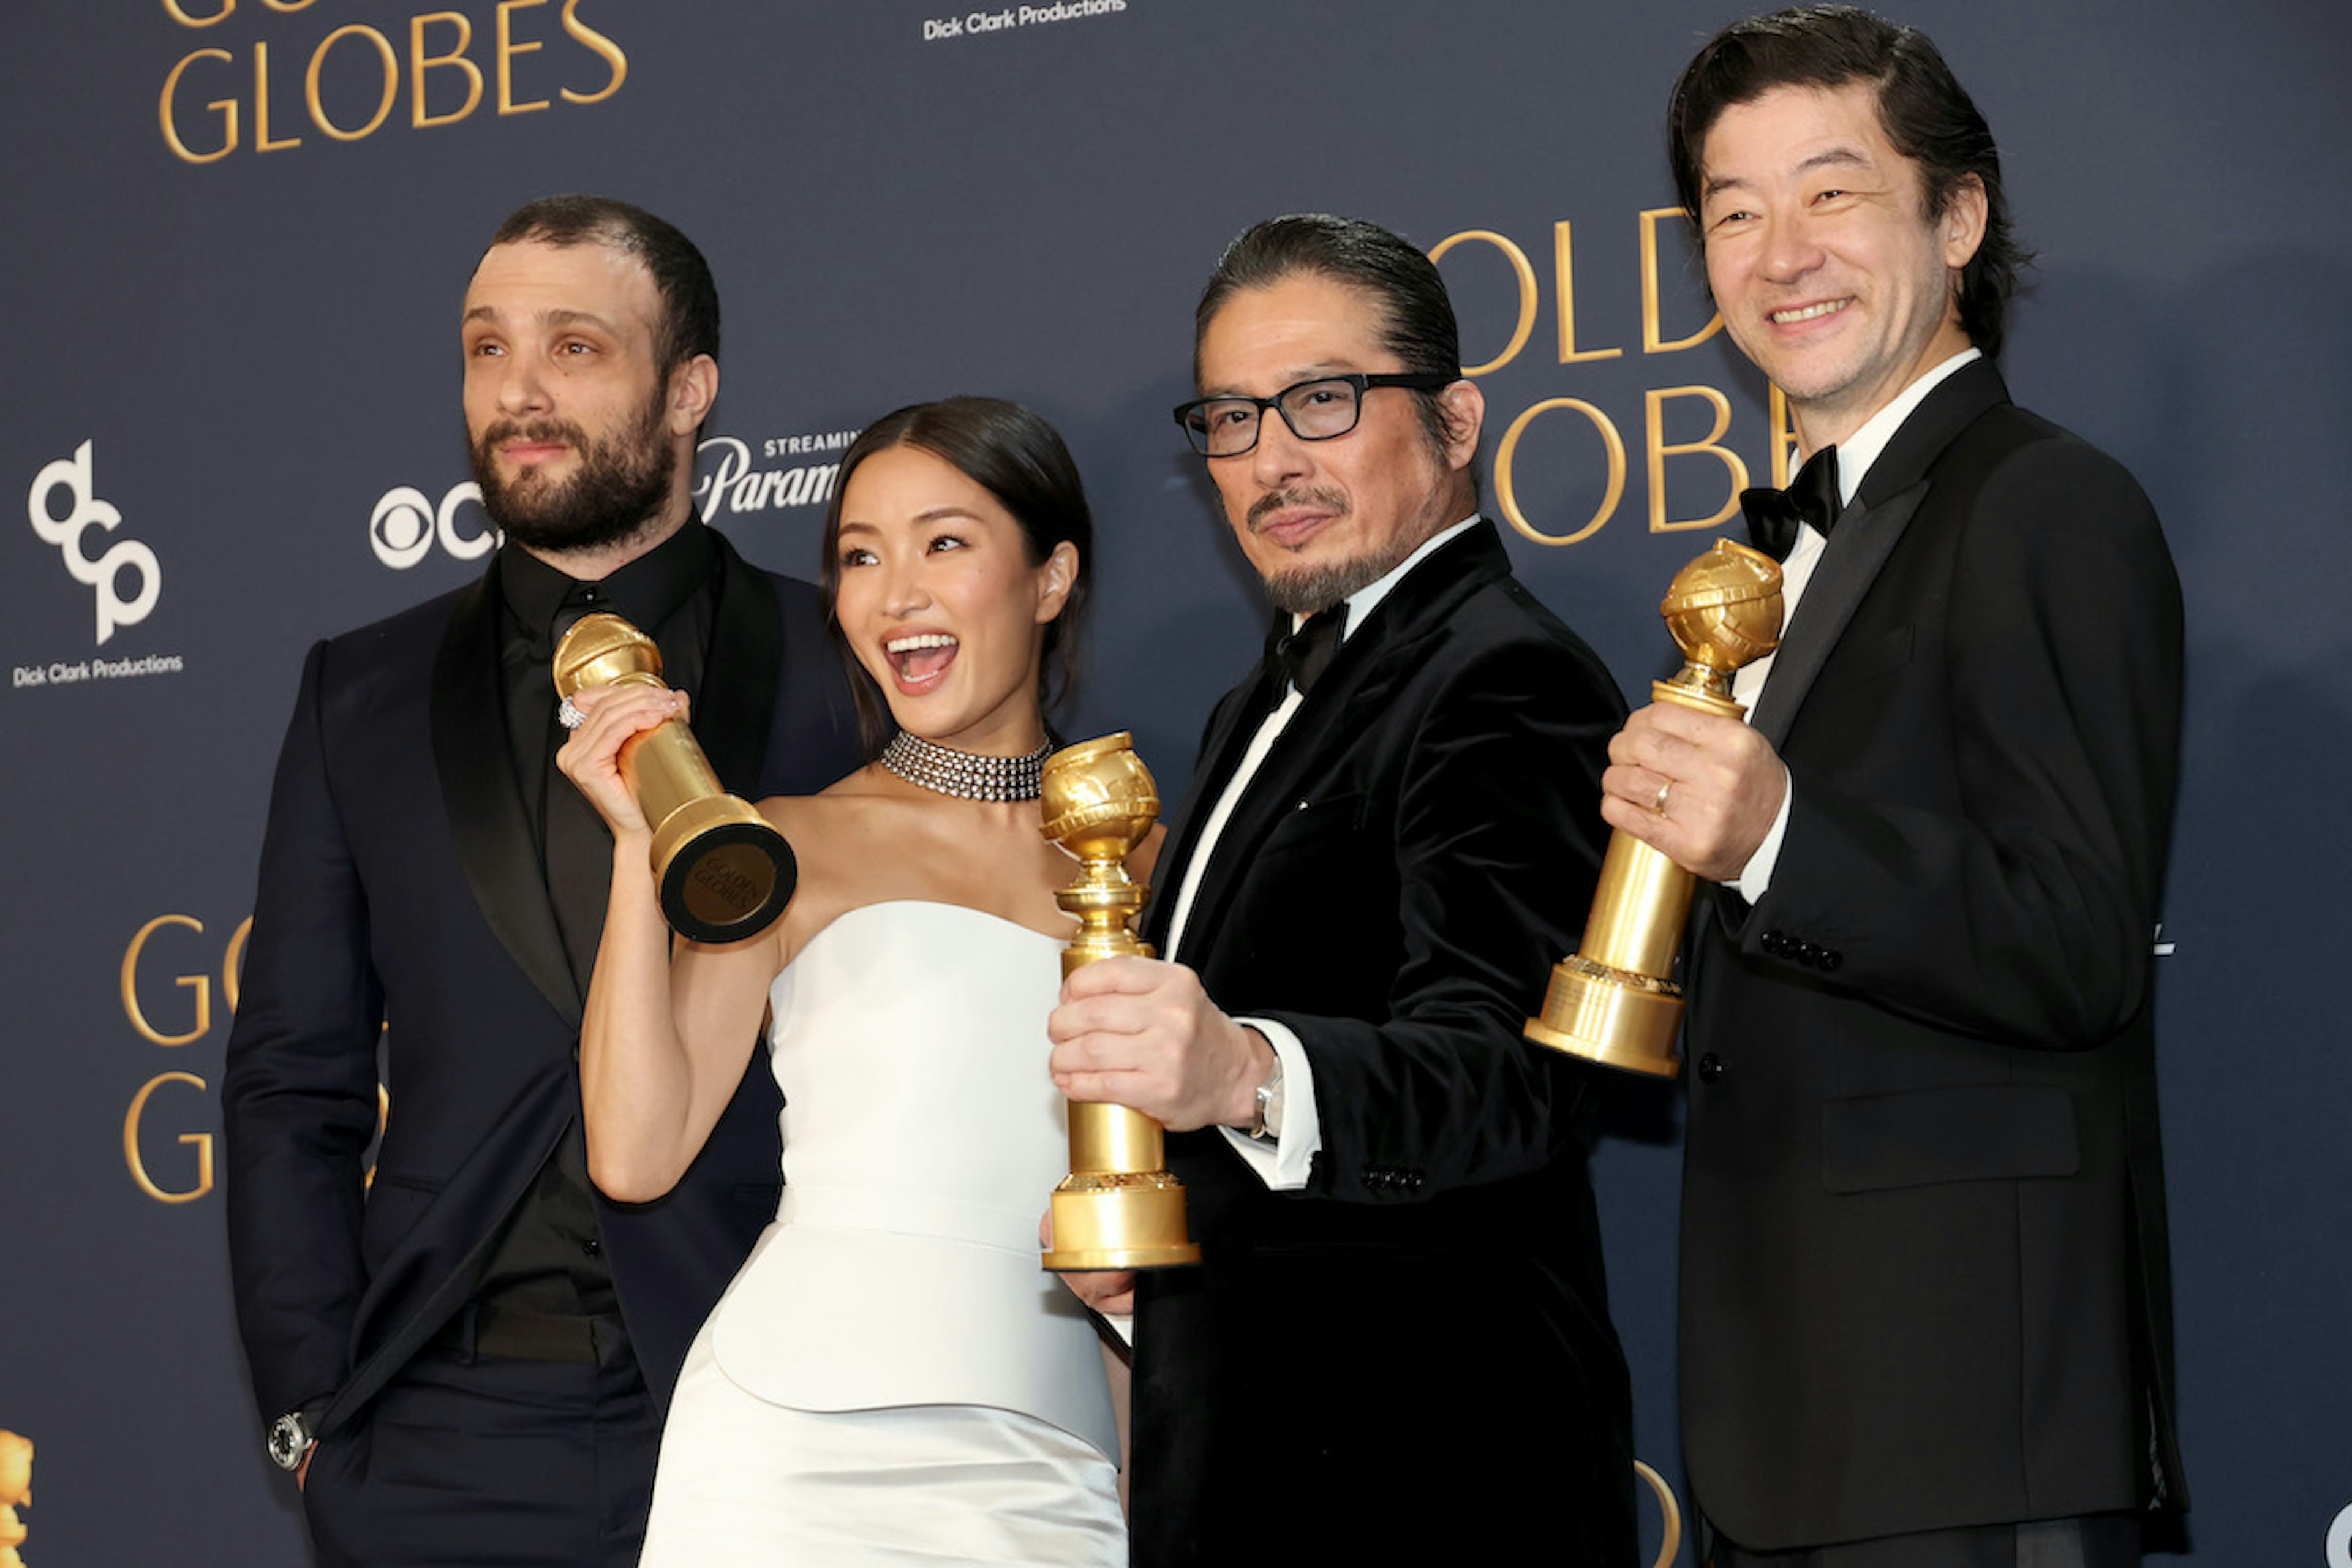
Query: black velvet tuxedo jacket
1924	1275
1412	1359
401	892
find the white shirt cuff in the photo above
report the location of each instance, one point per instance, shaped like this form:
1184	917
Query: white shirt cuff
1282	1160
1755	879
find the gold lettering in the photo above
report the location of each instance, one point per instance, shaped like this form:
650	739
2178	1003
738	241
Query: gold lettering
1659	451
1506	455
226	108
1784	439
289	7
600	45
180	15
420	63
262	142
200	1141
1653	339
508	49
1563	248
196	983
318	63
233	964
1526	272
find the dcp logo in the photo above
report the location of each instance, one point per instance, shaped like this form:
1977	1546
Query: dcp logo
102	573
406	522
2339	1540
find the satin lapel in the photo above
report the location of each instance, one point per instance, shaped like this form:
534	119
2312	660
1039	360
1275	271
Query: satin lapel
487	818
1866	533
738	699
1230	729
1864	536
1368	666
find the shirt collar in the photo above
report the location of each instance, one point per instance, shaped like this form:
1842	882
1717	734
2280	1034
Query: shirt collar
1859	450
1361	602
645	591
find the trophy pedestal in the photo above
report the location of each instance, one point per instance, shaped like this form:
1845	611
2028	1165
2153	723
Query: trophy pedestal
724	873
1119	1219
1611	1017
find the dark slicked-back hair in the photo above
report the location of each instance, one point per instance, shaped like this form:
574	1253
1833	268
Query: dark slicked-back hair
1419	329
1016	457
1926	113
689	323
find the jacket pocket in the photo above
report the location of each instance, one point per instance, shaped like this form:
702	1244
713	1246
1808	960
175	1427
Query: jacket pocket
1969	1132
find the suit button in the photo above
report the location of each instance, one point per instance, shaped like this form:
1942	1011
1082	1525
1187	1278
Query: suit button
593	1248
1773	942
1414	1179
1710	1068
1831	959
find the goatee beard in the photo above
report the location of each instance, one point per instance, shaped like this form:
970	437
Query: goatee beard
619	489
1309	590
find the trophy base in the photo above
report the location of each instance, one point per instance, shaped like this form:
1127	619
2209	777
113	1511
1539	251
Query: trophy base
1120	1220
1610	1017
725	874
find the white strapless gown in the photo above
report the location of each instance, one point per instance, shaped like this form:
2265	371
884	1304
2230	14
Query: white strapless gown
891	1378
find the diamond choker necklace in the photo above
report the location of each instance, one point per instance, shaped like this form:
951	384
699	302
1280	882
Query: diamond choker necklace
968	775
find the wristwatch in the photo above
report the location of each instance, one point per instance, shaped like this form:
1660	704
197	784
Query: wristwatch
290	1441
1267	1121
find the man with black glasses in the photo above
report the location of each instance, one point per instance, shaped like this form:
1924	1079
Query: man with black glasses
1397	1347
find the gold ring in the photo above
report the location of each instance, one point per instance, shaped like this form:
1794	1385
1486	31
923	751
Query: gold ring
1659	804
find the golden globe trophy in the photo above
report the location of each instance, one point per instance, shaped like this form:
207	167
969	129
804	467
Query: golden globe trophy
724	873
1612	1001
1117	1208
16	1491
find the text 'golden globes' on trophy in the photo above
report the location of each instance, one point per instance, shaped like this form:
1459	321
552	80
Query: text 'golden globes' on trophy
724	872
1614	1002
1118	1208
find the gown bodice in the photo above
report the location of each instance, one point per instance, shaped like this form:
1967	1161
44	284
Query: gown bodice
922	1137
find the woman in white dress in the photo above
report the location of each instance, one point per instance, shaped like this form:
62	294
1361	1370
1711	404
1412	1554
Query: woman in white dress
891	1378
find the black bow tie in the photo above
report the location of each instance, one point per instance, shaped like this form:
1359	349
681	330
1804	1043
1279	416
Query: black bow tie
1774	516
1301	656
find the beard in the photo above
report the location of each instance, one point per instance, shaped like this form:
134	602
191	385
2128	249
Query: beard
619	489
1309	590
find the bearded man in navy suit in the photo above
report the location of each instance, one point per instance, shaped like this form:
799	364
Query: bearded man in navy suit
1397	1347
465	1358
1926	1308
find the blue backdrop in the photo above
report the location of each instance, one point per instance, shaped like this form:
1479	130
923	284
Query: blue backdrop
236	233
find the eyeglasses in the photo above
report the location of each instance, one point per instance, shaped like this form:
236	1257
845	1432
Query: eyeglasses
1315	410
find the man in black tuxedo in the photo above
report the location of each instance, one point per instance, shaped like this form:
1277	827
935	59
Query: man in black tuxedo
1397	1347
1926	1312
478	1346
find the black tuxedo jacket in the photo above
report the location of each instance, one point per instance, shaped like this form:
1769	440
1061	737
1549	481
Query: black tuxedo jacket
1413	1355
1924	1265
401	894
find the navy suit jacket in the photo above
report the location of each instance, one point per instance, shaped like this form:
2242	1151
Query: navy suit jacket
1924	1265
1411	1360
401	896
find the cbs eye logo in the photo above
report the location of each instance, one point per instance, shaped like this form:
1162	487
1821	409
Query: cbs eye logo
406	523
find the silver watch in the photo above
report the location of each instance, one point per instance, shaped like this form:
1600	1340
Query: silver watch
1267	1122
290	1441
